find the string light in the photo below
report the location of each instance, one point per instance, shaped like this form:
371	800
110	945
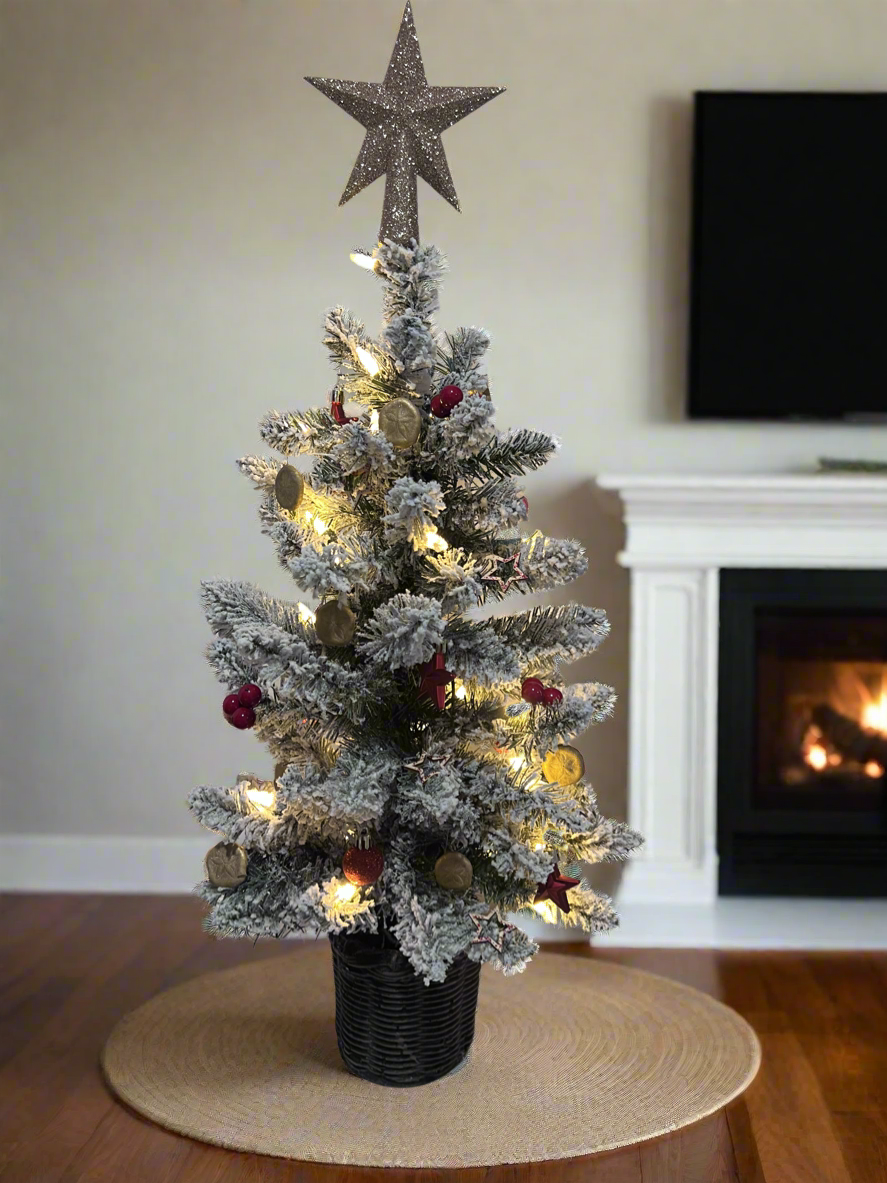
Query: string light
320	526
305	613
346	892
435	542
461	692
374	421
517	763
367	360
264	798
362	259
539	846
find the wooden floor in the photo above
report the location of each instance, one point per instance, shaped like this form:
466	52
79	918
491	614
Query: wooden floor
70	966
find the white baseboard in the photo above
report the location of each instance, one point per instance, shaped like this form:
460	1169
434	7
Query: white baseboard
33	862
751	923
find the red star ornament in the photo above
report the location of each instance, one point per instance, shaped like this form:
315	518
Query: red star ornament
435	679
555	888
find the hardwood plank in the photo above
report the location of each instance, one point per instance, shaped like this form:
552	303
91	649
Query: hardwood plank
703	1153
51	1094
863	1138
124	1147
790	1120
745	1150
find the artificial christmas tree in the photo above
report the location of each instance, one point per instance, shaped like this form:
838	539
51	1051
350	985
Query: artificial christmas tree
424	785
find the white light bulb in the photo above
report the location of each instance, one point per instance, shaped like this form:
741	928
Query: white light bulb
346	892
374	421
305	614
362	259
461	692
367	360
517	763
320	526
539	846
436	542
261	797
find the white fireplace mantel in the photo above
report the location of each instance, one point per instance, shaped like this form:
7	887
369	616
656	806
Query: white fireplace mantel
680	532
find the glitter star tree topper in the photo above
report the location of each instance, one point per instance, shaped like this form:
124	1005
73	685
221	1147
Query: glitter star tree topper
404	118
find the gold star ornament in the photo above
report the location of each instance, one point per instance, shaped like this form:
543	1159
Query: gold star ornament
404	118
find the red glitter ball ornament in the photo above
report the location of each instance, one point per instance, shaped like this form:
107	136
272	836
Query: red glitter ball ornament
230	703
551	696
532	690
249	695
243	718
451	396
363	866
439	408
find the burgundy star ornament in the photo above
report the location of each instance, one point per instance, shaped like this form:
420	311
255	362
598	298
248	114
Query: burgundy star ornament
516	576
555	888
435	679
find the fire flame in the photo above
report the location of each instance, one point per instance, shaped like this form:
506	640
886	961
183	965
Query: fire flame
874	715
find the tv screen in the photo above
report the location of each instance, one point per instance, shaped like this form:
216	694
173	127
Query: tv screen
788	314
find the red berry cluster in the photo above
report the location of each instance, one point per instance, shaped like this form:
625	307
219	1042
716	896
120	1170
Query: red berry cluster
532	690
442	404
238	707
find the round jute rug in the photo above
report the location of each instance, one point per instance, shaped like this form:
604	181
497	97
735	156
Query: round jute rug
574	1056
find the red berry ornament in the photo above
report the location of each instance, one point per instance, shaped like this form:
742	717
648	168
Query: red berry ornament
532	690
551	696
230	703
363	866
451	396
243	718
249	695
439	408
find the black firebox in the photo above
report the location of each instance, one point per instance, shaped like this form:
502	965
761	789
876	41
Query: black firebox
802	733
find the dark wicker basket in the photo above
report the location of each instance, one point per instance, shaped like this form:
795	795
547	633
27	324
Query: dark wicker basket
391	1027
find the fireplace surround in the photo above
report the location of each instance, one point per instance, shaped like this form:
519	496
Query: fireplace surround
687	537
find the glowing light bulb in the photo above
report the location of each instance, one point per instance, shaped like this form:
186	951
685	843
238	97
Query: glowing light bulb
461	692
362	259
306	430
541	908
264	798
517	763
873	769
435	542
374	421
539	846
320	526
367	360
346	892
305	613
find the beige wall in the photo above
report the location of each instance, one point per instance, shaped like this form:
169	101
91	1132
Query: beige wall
171	238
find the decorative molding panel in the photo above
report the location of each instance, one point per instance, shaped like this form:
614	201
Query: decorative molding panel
680	532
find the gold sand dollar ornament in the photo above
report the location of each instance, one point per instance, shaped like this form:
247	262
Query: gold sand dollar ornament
400	421
226	865
563	766
335	624
289	487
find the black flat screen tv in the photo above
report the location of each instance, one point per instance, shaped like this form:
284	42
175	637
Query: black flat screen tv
788	309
